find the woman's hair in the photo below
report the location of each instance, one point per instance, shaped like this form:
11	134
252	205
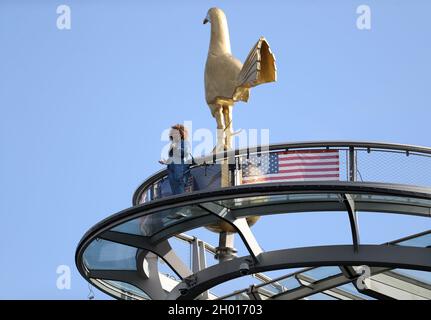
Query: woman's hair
179	128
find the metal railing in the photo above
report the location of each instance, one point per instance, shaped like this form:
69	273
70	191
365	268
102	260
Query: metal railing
358	161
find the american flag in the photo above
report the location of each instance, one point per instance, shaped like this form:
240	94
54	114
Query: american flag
298	165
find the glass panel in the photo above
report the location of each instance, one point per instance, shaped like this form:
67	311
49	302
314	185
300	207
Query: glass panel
238	296
150	224
319	296
274	199
231	287
321	273
290	283
272	289
107	255
301	230
310	276
127	288
423	241
283	285
391	199
350	288
378	228
418	275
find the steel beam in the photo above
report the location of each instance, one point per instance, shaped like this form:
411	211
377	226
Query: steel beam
350	207
371	255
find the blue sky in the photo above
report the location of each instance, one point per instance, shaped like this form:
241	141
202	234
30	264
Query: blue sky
82	110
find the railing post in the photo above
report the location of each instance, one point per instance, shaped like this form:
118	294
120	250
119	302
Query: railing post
199	261
152	192
237	172
232	174
198	255
352	164
349	201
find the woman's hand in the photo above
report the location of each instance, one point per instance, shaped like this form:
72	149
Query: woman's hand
162	161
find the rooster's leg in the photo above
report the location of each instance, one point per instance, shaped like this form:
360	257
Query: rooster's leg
227	113
218	115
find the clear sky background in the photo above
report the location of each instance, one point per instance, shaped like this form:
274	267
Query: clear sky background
82	110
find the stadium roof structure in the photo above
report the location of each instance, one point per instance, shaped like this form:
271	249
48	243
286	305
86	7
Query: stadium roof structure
121	255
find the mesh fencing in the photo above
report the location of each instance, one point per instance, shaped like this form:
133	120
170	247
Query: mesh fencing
393	167
372	165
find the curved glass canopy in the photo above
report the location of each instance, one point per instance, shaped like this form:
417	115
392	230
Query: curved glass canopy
114	246
121	254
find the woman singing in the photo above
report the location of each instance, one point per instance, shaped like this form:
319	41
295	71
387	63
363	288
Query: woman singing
179	159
